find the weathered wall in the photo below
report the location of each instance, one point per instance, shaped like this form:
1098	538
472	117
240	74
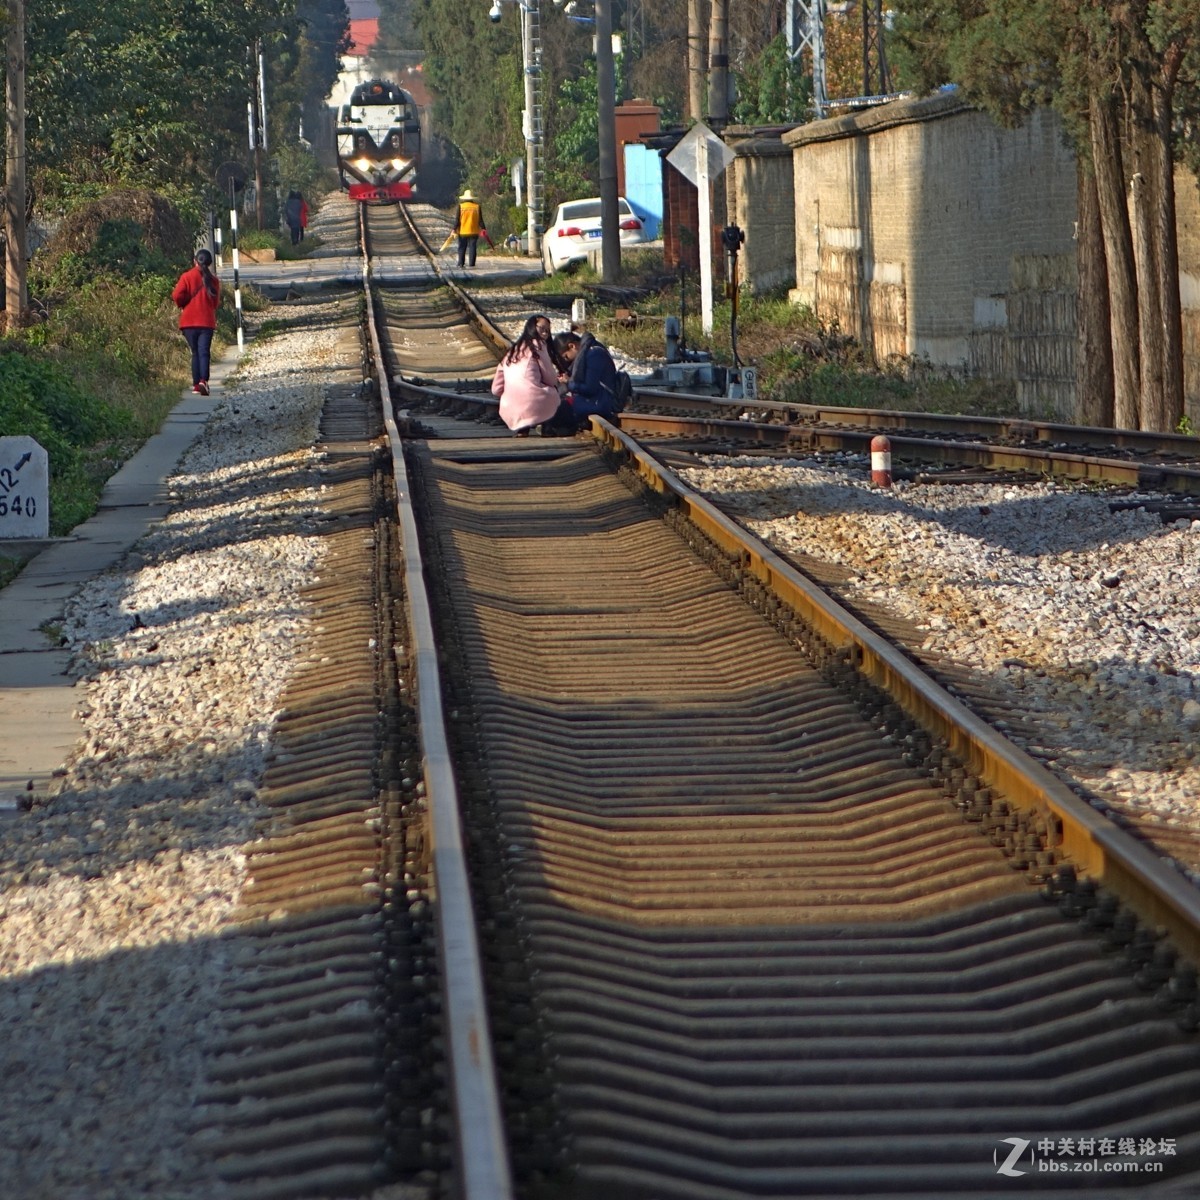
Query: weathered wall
931	233
928	232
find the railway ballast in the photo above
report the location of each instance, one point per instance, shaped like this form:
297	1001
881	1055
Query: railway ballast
1081	623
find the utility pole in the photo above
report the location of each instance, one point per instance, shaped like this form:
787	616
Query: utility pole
806	28
258	134
16	293
610	233
876	77
531	61
718	66
695	60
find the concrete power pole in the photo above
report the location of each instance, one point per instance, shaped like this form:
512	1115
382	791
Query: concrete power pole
16	293
259	134
718	66
610	232
695	60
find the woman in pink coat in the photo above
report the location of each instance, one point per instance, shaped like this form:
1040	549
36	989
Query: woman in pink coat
526	380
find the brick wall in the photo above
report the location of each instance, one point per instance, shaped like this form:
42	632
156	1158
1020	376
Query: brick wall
681	224
681	220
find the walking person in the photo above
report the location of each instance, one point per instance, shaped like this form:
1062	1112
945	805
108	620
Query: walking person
468	224
197	294
295	213
526	381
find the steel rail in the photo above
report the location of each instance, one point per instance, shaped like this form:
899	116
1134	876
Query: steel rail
1020	429
1034	460
481	1151
1097	846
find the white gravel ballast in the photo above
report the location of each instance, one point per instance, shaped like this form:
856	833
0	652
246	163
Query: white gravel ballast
115	888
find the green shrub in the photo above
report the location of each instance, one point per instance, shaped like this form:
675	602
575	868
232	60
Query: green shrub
121	248
78	432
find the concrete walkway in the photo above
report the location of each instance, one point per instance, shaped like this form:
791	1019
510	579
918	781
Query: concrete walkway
38	726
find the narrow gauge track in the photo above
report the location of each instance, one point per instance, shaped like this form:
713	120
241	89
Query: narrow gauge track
750	926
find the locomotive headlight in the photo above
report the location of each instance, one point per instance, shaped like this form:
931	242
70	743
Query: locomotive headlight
363	164
398	164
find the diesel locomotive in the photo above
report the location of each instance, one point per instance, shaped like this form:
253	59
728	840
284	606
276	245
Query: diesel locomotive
379	142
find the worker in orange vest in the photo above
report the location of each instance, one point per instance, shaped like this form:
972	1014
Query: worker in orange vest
468	224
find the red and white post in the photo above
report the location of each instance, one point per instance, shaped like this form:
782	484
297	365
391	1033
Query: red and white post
881	461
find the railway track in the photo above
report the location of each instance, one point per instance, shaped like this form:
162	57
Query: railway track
1152	451
730	900
753	951
928	457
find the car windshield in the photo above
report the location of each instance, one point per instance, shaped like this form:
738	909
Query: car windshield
582	210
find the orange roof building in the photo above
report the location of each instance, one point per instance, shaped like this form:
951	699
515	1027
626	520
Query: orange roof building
364	33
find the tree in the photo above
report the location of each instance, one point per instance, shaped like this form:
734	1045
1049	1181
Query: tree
473	68
399	44
16	292
153	94
304	54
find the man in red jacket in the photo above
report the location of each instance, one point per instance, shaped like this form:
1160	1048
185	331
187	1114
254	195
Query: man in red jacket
198	293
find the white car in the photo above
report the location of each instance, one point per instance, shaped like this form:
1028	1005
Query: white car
576	229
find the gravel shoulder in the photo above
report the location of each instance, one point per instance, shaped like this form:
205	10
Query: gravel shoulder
115	888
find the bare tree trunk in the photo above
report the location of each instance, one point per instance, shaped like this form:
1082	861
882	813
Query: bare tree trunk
696	60
16	294
1145	256
1093	352
1170	303
1118	254
1143	204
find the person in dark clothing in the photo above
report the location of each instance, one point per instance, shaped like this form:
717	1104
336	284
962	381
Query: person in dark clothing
590	375
294	213
197	295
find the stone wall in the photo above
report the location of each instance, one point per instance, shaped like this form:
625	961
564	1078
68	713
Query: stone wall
922	228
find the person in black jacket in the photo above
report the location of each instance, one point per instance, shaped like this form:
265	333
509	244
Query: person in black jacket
293	214
590	375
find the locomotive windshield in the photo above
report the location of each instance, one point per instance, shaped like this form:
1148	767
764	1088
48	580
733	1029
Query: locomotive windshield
379	91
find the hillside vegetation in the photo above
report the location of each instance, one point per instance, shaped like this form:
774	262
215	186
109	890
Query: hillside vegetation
103	362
